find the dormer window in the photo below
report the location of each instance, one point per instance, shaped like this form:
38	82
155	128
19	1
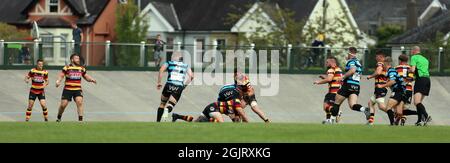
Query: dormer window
53	6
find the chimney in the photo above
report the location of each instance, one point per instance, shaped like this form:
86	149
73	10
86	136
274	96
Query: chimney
412	17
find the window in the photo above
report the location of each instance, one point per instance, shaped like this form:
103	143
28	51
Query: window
63	45
47	46
169	43
53	6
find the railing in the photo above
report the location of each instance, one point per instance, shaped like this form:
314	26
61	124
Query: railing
292	59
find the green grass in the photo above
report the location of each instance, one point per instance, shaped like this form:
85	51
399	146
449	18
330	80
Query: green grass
137	132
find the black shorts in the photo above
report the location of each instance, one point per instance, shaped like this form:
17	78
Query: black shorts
398	95
172	90
33	96
348	89
249	99
380	92
210	109
329	98
407	97
422	85
71	94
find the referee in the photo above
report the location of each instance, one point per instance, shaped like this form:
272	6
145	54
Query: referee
419	66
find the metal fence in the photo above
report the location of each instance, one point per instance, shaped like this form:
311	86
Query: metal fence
292	59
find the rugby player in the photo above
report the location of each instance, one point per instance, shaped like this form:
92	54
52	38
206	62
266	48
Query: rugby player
403	69
379	93
350	87
396	84
333	78
39	80
72	86
420	66
176	83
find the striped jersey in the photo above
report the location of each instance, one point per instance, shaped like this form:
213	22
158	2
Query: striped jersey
335	84
73	76
177	72
381	79
356	77
399	83
38	79
403	70
228	107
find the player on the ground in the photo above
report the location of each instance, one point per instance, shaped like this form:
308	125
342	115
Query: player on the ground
404	70
248	96
350	87
420	67
397	85
176	83
333	79
379	93
39	80
72	86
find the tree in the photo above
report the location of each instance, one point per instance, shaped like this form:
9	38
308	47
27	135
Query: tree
131	27
11	33
386	32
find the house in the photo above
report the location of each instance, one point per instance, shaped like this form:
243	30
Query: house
95	17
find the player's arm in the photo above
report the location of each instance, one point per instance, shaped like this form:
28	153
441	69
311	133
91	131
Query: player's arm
413	65
325	80
58	80
89	78
46	80
377	72
260	113
160	75
27	78
388	84
242	114
190	77
349	73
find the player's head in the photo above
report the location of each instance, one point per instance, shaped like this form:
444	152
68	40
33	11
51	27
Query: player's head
75	59
331	62
40	64
387	62
352	53
402	59
379	56
241	79
415	50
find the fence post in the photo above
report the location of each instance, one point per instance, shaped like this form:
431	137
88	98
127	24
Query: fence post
2	52
441	51
108	53
366	58
402	48
289	57
36	51
142	53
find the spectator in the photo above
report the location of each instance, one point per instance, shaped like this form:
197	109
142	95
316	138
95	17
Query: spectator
77	35
25	56
158	50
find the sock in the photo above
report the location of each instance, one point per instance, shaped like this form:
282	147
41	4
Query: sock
372	117
28	114
358	107
187	118
45	113
335	110
328	112
422	113
59	116
409	112
170	106
80	118
391	116
159	114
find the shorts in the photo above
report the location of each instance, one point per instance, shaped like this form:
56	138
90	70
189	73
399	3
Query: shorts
329	98
157	55
348	89
380	92
71	94
422	85
408	97
33	96
227	107
210	109
398	96
249	99
172	90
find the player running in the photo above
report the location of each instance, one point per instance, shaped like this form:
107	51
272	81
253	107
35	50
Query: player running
248	96
333	78
397	85
350	87
72	86
379	93
420	66
404	70
176	83
39	80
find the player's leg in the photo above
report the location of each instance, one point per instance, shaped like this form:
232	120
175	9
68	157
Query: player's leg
371	105
62	107
80	109
186	118
44	109
29	110
352	103
421	111
336	106
216	117
391	104
399	112
160	111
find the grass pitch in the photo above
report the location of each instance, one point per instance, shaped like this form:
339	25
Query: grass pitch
149	132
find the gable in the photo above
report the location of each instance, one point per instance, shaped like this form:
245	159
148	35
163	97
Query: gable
251	21
156	19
